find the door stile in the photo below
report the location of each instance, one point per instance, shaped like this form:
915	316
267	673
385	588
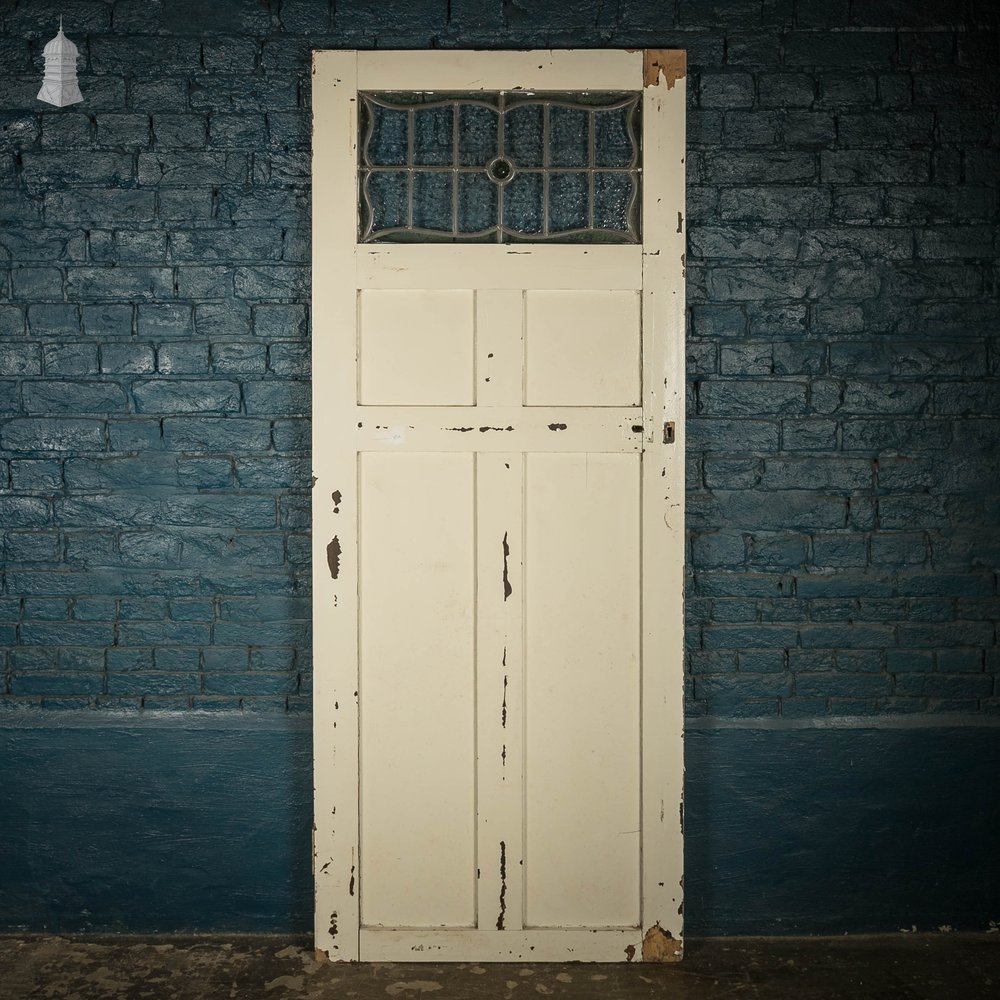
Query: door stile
336	863
663	514
500	599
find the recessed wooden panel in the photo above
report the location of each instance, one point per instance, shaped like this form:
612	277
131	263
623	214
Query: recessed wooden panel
417	690
582	348
416	347
581	670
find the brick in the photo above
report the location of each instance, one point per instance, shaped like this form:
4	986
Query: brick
36	475
152	683
252	243
809	434
186	396
867	166
850	636
183	357
279	397
751	398
123	130
116	206
726	90
216	434
129	283
73	397
775	205
777	550
205	473
27	434
218	320
166	169
250	684
760	167
786	90
69	359
156	320
133	359
825	685
805	48
228	53
815	473
741	129
20	359
57	683
37	283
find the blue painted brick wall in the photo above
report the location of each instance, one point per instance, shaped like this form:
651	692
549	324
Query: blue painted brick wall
843	338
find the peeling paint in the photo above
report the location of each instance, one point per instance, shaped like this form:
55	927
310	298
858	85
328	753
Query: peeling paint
659	946
350	885
337	497
333	924
483	430
557	427
503	884
671	64
461	430
507	588
629	952
503	707
333	551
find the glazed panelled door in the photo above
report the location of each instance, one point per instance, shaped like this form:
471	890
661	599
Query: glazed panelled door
498	507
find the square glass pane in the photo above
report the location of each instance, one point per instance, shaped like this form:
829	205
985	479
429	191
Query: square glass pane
522	203
522	135
569	137
569	202
477	135
477	203
387	200
614	201
434	136
388	142
432	199
614	145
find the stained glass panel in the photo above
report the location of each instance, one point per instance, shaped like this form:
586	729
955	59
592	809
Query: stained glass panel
501	167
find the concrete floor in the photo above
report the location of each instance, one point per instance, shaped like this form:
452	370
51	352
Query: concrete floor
903	967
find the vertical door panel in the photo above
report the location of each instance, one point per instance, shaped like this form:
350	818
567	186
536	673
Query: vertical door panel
417	691
582	690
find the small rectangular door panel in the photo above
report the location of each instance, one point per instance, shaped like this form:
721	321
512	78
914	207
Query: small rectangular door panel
416	346
417	690
582	561
582	348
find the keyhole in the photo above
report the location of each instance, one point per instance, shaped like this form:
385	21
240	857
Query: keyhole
500	170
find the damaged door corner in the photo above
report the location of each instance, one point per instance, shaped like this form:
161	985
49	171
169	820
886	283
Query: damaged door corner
670	63
660	946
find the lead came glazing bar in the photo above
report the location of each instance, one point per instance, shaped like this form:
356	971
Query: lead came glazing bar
502	167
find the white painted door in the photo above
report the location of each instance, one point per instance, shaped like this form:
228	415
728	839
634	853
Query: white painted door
498	506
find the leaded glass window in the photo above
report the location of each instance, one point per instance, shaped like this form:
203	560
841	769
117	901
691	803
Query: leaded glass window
504	167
